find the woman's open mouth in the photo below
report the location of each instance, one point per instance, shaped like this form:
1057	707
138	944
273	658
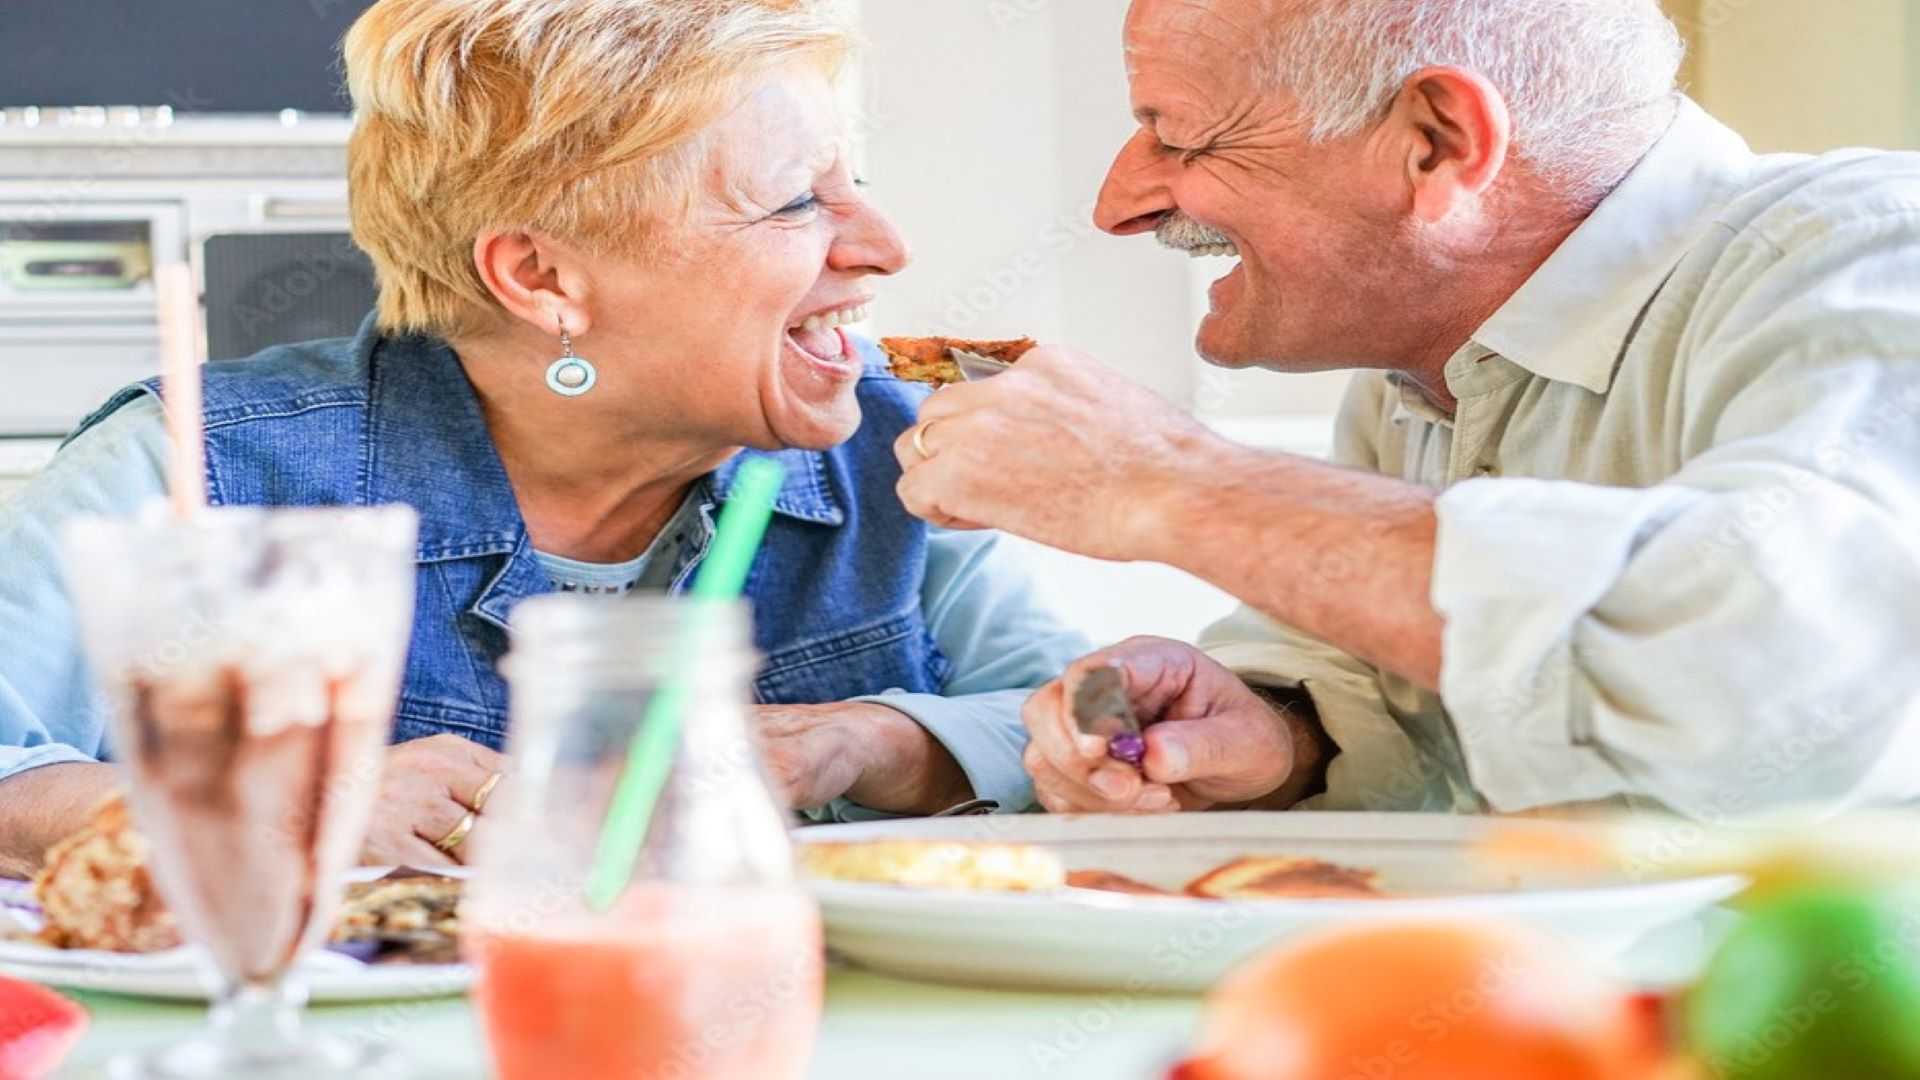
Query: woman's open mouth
819	340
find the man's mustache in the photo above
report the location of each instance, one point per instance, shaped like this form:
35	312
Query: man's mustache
1183	233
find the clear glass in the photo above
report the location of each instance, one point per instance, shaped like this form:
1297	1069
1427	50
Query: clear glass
253	661
709	967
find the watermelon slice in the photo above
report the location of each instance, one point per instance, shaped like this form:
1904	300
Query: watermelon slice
38	1029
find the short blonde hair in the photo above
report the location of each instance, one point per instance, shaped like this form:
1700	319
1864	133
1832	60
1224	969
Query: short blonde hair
577	118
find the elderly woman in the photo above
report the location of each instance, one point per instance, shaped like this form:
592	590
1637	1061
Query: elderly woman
617	243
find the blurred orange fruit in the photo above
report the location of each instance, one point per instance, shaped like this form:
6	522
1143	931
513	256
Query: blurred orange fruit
1442	1001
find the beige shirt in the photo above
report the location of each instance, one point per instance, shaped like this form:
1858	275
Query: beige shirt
1679	548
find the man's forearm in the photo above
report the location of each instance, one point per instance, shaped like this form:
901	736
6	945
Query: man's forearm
1343	555
41	806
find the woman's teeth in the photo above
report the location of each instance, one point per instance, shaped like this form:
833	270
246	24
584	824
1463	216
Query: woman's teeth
1225	251
832	319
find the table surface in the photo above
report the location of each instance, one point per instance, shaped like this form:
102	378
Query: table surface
877	1028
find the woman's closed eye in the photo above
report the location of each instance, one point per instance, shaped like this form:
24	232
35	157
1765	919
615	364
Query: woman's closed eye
800	207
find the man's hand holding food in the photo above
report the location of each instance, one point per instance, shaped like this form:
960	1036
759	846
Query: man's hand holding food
1213	743
1065	451
1060	450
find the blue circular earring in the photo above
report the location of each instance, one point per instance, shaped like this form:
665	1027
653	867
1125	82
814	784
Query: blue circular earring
571	376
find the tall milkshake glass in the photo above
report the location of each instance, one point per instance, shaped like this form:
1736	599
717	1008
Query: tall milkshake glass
252	659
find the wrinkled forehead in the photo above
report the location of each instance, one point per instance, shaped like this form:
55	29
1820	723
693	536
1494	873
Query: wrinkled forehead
1188	47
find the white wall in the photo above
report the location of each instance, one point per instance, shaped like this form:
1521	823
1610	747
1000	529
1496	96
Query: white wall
989	127
1809	75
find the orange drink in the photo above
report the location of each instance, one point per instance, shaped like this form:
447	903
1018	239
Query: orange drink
676	983
708	965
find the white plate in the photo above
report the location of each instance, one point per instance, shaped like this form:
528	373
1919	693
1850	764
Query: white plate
180	975
1079	940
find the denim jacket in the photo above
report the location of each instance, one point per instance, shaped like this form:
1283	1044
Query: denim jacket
836	590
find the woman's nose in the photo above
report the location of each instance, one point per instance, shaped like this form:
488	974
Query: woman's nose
1134	198
871	243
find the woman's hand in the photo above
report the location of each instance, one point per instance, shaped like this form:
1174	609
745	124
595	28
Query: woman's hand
426	791
875	756
42	806
1211	741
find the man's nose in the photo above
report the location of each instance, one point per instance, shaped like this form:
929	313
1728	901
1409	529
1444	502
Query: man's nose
871	243
1135	198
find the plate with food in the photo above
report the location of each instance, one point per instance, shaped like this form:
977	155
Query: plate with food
1172	904
93	920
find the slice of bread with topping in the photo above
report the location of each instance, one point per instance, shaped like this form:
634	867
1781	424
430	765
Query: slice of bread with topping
1286	878
937	864
927	360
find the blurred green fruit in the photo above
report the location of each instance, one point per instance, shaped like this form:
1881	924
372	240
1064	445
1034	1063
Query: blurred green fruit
1816	984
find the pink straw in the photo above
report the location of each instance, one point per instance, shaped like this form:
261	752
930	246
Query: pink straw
180	382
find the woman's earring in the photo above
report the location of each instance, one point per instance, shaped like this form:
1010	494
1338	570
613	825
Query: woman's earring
571	376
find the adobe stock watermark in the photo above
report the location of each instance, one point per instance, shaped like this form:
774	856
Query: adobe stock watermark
990	291
1010	13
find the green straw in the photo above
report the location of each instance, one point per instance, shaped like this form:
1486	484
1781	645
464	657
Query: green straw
723	576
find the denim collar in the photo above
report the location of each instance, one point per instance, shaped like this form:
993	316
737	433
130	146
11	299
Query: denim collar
425	429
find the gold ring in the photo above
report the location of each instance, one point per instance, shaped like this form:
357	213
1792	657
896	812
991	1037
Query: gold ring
919	440
459	834
486	792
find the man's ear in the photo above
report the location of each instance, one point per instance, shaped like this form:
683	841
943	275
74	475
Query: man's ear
533	279
1456	133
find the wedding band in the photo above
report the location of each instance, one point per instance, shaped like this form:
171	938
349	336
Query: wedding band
480	797
459	834
919	440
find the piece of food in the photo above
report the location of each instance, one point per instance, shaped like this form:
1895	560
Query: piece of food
1101	708
1108	881
938	864
38	1029
1818	982
1285	878
97	892
1437	1001
926	360
409	916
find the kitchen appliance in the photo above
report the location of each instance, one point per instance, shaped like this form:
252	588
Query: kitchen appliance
271	288
73	255
92	199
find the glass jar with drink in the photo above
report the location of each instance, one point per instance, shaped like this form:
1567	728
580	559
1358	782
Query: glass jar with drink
705	962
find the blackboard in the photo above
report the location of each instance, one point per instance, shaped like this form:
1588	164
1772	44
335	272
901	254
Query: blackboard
211	56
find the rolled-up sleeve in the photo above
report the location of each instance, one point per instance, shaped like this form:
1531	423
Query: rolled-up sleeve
1002	642
1745	635
50	712
1378	766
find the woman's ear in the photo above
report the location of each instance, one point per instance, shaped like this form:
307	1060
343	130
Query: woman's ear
534	278
1457	134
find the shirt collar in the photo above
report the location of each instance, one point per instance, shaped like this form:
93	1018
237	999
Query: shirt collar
1572	318
807	495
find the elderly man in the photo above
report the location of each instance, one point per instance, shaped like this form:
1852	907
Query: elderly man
1626	501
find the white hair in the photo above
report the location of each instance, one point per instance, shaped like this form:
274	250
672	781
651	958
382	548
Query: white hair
1589	83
